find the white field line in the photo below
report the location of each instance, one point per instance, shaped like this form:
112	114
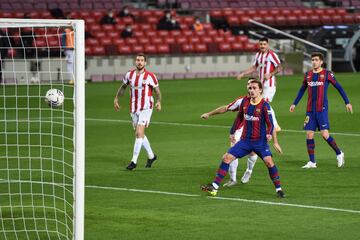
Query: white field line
210	126
226	199
196	195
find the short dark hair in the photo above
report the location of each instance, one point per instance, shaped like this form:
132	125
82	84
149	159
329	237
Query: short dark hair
141	55
318	54
264	39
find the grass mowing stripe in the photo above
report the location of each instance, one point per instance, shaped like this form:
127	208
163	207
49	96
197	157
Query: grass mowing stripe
211	126
225	198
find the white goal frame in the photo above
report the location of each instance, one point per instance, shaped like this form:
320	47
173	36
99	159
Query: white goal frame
79	110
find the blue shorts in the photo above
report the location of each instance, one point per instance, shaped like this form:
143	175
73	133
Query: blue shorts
316	120
245	147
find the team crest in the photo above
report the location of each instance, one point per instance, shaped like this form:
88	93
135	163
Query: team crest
322	76
258	110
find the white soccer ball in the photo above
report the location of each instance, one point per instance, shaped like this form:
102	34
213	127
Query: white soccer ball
54	97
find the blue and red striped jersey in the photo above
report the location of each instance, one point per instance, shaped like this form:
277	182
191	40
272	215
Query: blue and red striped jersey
257	120
317	85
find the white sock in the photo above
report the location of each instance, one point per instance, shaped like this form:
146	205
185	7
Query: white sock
146	145
274	117
233	169
137	148
251	162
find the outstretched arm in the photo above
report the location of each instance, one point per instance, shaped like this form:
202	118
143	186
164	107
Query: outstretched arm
219	110
246	72
119	94
158	98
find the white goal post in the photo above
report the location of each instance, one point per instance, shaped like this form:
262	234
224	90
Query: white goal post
42	148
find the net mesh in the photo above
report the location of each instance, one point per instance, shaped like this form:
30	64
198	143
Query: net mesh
36	140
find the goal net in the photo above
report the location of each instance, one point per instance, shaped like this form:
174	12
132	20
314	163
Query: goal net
41	147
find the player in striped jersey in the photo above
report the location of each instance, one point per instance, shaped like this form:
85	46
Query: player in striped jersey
316	82
268	65
258	130
142	84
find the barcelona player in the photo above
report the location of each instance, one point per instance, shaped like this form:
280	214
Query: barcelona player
257	131
316	82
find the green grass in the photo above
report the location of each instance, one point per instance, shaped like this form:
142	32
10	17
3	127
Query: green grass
189	155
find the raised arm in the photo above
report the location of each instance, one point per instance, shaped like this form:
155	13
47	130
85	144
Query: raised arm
119	94
246	72
219	110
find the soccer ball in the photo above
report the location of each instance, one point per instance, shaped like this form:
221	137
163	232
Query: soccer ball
54	97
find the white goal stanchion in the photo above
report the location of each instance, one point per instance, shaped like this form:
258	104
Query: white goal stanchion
42	147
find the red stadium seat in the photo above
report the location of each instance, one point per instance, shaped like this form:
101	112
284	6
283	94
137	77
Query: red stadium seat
325	19
169	40
150	49
118	41
88	51
193	39
233	20
137	49
225	47
151	34
108	27
200	48
304	20
237	47
292	20
230	39
218	39
130	41
251	47
124	49
187	33
163	48
143	41
337	19
175	33
216	14
157	40
341	11
99	34
114	34
92	42
152	20
349	18
280	20
98	50
105	41
207	26
212	33
206	39
146	27
162	33
315	20
187	48
181	40
95	28
40	42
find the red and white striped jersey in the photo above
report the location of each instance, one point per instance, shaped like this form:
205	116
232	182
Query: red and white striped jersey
141	97
266	63
235	107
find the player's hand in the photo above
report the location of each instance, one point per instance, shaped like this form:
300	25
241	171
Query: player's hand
292	108
349	108
232	139
205	116
268	137
116	105
277	148
268	76
158	106
238	77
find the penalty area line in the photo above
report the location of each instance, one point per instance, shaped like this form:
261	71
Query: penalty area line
210	126
226	199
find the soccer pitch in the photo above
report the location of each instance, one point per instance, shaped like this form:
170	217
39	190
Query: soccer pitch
165	202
